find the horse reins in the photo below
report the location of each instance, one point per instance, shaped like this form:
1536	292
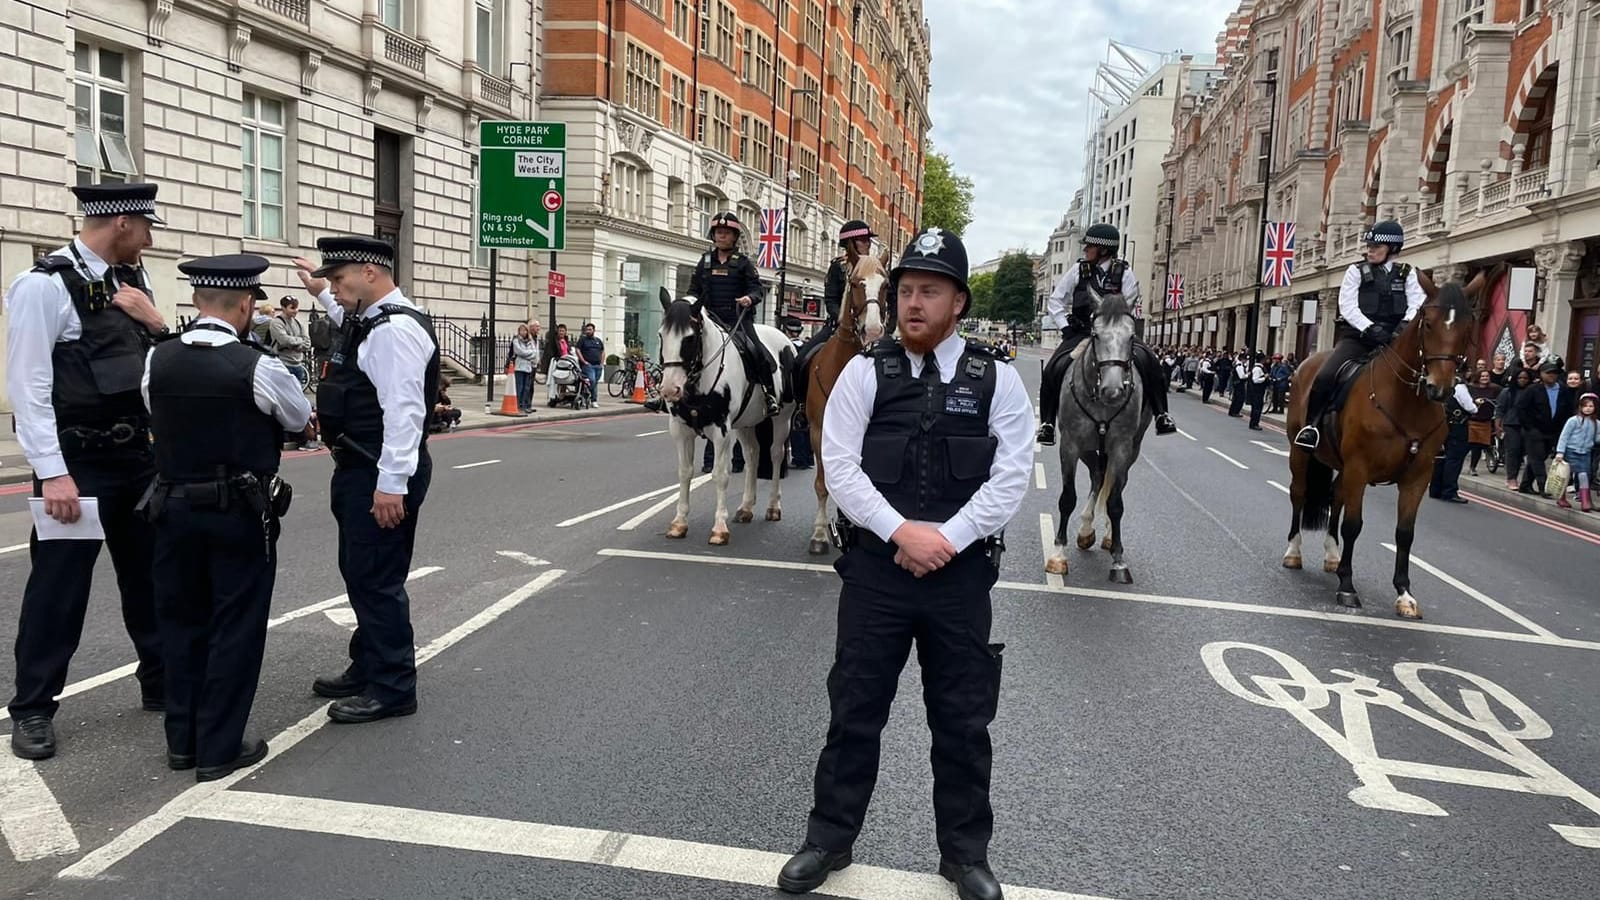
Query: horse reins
1100	365
1416	379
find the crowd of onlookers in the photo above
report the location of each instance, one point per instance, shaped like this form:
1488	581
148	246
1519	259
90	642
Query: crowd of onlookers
1261	382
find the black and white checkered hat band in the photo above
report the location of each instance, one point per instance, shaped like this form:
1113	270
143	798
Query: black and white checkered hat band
1384	238
119	207
1101	242
362	257
239	282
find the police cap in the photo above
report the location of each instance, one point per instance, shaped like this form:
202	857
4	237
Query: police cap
115	199
1103	234
233	272
348	250
938	251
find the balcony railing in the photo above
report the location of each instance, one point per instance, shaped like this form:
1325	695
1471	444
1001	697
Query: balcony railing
494	90
298	10
1431	218
405	51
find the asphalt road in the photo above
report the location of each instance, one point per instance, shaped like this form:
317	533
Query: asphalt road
609	714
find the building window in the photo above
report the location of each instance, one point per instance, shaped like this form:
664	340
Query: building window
800	241
721	125
490	40
763	73
677	204
1468	14
392	14
725	31
1400	55
680	105
682	20
1263	157
652	6
781	100
262	130
701	110
705	206
642	85
760	157
780	157
480	255
811	103
814	26
630	191
808	172
100	110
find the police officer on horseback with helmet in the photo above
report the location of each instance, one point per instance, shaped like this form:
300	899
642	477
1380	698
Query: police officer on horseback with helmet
1101	269
1376	299
854	235
727	282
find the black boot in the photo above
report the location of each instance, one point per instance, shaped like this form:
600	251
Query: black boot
1046	436
973	882
808	869
33	737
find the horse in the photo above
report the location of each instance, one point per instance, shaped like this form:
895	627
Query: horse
861	322
708	395
1389	431
1101	423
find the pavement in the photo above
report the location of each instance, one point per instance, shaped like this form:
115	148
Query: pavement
606	713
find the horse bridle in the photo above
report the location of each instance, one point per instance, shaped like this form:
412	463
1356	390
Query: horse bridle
1100	366
693	369
883	312
1419	373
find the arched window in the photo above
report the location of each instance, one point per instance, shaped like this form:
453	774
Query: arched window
677	205
798	246
632	191
750	217
707	201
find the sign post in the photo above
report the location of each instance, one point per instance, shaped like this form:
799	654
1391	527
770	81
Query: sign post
522	190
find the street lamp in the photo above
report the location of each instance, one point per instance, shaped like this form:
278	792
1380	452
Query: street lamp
1166	268
789	176
1266	195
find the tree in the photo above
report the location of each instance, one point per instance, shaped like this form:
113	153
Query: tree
1013	290
982	287
946	196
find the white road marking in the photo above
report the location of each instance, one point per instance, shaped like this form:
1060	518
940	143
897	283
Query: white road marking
1038	476
564	843
1277	485
342	616
651	433
615	506
121	672
1475	594
1373	621
1271	449
487	462
31	821
12	549
95	863
1228	458
659	505
1047	541
534	561
1186	434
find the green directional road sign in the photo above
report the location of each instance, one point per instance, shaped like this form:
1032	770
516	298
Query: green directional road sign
522	185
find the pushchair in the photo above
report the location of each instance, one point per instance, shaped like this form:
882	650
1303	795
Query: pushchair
566	386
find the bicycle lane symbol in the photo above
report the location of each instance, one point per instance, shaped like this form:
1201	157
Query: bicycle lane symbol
1353	740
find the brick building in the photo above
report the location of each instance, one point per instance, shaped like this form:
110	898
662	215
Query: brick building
1470	121
676	109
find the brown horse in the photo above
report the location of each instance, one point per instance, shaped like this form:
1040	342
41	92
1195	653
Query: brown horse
860	323
1388	432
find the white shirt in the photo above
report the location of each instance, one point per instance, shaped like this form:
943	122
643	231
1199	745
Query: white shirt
1464	397
277	393
1350	296
1257	374
41	315
844	427
1060	303
1205	367
395	357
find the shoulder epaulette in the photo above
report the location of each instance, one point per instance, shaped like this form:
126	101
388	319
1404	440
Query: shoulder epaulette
52	264
1402	269
884	346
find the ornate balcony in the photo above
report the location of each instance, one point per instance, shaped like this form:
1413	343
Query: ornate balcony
403	50
297	10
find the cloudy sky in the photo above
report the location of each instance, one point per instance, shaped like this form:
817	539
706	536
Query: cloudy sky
1010	93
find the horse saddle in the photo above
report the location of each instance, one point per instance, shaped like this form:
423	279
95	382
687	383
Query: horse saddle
1344	380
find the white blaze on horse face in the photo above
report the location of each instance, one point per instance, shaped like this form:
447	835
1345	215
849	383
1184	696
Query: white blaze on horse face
673	377
872	317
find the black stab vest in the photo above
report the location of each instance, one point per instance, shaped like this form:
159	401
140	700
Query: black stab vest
1382	294
347	400
96	377
203	415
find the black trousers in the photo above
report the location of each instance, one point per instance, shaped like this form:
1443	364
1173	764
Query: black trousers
214	574
1055	374
56	597
883	610
1446	481
1535	447
1258	399
374	562
1207	383
1511	450
1240	394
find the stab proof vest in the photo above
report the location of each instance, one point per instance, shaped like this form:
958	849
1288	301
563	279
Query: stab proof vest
96	377
347	400
203	413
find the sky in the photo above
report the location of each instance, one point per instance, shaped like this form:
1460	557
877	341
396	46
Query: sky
1010	96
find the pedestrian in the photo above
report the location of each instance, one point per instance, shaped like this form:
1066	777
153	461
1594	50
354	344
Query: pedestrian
1208	378
1241	385
524	363
1542	408
800	454
1458	412
286	337
729	286
446	417
1497	371
592	354
1257	389
217	409
1280	374
1191	368
80	323
261	325
1481	425
372	409
1576	446
1509	421
922	553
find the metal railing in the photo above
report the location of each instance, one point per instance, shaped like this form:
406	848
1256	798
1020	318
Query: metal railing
404	50
298	10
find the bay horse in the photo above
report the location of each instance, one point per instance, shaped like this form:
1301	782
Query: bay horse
1387	432
861	322
708	395
1101	423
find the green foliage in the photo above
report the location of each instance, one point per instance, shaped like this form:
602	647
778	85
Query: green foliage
946	196
1013	290
982	287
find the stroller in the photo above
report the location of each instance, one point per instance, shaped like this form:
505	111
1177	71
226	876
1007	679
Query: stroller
566	386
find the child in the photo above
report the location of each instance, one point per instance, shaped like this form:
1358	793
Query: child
1578	439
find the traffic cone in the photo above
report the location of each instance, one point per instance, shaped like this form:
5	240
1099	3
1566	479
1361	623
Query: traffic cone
508	401
638	384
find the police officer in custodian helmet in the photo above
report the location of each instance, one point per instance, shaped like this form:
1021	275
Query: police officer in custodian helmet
914	428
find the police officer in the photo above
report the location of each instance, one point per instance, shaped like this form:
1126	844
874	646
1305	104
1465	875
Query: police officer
81	321
1446	483
914	429
855	241
372	409
727	282
1376	299
1101	269
218	408
801	455
1258	389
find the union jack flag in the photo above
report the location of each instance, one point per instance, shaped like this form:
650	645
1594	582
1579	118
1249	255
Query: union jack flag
1277	268
1174	291
769	247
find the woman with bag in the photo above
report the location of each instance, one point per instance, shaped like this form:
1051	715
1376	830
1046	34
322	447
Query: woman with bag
524	361
1573	451
1481	425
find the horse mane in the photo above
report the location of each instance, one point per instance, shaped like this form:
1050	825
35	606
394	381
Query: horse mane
1453	298
1113	306
681	314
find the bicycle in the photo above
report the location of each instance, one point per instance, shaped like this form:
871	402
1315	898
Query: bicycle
621	381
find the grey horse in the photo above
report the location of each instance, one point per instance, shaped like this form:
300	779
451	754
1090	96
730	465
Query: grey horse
1102	423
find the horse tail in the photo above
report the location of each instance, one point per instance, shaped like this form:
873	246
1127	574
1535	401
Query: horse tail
1318	497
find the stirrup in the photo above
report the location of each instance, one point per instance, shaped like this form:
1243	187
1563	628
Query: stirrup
1308	438
1046	435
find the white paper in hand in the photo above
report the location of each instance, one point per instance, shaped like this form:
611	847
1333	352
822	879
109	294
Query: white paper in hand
87	528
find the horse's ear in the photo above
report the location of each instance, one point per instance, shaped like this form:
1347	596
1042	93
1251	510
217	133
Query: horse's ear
850	254
1427	285
883	258
666	300
696	306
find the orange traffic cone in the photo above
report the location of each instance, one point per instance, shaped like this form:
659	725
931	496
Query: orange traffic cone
508	401
638	384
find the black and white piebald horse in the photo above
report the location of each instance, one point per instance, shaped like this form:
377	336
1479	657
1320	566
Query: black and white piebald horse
704	384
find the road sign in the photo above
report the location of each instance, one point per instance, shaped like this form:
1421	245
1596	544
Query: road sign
558	284
522	185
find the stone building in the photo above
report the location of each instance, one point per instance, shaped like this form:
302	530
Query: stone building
266	124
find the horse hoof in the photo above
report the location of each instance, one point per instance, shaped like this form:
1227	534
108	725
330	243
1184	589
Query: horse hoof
1105	542
1121	575
774	515
1347	599
719	538
678	530
817	548
1291	562
1330	565
743	516
1056	565
1405	606
1086	541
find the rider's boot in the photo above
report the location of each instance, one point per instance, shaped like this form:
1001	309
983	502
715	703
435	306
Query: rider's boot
1046	435
656	405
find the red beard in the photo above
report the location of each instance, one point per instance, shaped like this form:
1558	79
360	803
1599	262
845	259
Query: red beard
929	335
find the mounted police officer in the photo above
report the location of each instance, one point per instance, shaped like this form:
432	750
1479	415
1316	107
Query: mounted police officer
218	408
727	282
855	239
372	408
1376	299
81	321
915	428
1101	269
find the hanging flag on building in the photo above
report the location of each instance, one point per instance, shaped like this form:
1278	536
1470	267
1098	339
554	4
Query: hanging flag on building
1277	268
769	247
1174	291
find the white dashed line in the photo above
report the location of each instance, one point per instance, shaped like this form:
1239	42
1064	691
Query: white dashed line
487	462
1476	594
1038	476
1277	485
1228	458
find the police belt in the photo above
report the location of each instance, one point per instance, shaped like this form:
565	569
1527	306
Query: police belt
247	489
122	433
865	540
